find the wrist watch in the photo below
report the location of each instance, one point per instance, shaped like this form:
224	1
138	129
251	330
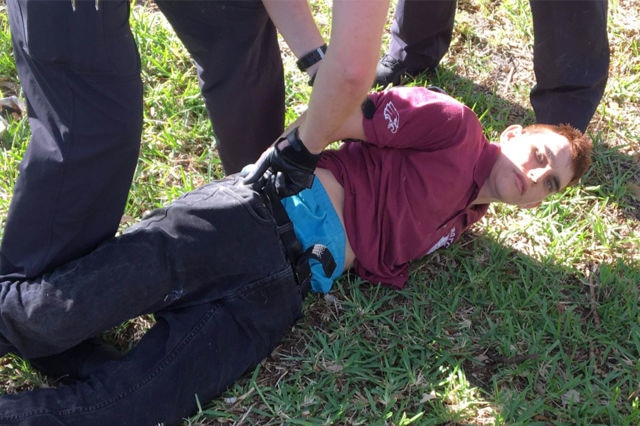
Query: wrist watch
311	58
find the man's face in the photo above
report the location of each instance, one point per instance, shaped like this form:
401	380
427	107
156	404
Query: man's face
531	167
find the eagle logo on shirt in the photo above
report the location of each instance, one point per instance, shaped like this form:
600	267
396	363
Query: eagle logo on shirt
392	116
444	241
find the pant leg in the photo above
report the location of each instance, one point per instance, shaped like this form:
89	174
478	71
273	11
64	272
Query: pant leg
421	32
80	73
190	354
571	60
235	46
189	252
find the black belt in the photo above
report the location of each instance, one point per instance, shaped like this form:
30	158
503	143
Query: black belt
298	258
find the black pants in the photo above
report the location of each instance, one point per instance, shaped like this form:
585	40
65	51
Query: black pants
80	74
235	46
570	55
211	266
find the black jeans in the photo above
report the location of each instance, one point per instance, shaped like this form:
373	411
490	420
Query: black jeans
210	265
570	54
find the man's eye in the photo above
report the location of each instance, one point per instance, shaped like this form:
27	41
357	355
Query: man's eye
549	184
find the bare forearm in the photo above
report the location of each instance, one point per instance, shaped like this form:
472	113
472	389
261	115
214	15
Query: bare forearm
347	71
352	126
344	77
295	22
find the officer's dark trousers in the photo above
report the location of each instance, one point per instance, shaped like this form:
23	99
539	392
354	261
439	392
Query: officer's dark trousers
212	268
235	46
570	54
80	75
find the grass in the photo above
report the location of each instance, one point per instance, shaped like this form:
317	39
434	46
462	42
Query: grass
531	319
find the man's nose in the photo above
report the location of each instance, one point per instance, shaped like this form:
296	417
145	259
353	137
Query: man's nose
538	173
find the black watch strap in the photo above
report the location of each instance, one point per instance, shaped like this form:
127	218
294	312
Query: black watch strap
311	58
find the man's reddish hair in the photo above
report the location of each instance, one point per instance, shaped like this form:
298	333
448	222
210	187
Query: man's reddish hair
580	144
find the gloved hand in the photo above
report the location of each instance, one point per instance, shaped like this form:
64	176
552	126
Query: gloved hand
288	164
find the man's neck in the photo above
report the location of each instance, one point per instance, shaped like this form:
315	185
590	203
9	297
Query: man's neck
484	196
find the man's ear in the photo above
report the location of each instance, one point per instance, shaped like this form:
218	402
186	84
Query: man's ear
510	132
530	205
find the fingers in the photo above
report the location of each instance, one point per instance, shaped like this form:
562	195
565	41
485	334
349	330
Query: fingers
281	185
259	168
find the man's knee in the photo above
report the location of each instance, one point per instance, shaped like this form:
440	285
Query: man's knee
35	320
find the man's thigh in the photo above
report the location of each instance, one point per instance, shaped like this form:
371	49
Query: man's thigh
187	358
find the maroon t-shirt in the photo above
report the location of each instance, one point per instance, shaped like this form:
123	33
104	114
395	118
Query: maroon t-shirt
409	186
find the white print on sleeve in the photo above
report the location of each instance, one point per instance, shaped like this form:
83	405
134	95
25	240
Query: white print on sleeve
392	116
445	241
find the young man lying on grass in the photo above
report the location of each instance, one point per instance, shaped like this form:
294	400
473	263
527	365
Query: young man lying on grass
224	277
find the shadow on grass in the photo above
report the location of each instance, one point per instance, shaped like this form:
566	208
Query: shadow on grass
495	112
482	334
616	177
545	342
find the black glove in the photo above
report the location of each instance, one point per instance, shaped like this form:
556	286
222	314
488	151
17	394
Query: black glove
288	165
